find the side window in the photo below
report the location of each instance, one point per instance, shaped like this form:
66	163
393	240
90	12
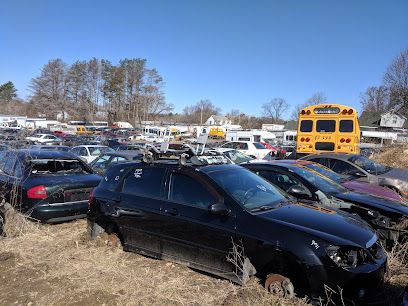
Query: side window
228	145
145	182
322	161
282	180
306	126
186	190
118	159
340	166
18	169
83	152
8	167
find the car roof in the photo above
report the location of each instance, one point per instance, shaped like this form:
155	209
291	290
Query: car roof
38	154
343	156
92	146
128	153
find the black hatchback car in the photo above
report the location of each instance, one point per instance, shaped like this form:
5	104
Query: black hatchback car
225	220
49	186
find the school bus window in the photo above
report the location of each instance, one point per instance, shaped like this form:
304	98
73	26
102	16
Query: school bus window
327	126
346	126
306	126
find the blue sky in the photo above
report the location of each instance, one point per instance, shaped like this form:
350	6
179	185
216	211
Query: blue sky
239	54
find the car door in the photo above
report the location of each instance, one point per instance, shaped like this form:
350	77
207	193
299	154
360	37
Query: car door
138	208
191	234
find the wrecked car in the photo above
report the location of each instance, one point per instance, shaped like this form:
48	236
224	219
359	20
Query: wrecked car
389	218
49	186
227	221
364	170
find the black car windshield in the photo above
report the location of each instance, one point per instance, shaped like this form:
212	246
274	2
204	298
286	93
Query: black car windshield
318	180
326	172
57	167
248	189
369	165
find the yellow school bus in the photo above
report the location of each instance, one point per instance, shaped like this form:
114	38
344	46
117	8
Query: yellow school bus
328	128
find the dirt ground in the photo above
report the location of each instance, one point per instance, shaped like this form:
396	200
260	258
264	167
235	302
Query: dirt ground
59	265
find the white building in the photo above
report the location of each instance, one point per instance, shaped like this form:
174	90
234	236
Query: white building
218	120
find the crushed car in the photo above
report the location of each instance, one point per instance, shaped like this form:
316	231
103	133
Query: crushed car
389	218
225	220
364	170
48	186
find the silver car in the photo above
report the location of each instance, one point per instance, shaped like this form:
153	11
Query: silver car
360	168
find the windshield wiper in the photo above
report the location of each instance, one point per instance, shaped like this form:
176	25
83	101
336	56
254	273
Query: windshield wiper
262	208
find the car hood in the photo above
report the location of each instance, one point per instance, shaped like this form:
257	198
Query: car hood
372	189
374	202
331	225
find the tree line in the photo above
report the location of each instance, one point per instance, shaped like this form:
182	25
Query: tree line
131	91
392	94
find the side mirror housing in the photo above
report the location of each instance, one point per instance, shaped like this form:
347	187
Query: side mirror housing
219	209
299	192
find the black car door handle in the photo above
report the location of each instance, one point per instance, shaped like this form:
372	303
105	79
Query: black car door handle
171	211
128	212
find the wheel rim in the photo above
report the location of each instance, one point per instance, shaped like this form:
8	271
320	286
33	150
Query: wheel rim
279	286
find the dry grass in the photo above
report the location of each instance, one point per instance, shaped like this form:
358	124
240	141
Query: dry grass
57	264
394	156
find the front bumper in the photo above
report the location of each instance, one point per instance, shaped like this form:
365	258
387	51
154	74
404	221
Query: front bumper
359	284
60	212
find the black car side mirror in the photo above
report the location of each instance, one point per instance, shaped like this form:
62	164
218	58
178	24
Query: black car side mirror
219	209
299	192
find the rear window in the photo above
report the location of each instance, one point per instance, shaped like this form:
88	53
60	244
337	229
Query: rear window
306	126
57	167
325	126
346	126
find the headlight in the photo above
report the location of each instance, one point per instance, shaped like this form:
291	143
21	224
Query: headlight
343	256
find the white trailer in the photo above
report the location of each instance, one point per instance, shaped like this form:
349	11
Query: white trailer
250	135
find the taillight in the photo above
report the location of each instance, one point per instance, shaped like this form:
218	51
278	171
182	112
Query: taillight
303	112
342	140
37	192
91	198
307	139
302	139
350	111
348	140
308	112
344	111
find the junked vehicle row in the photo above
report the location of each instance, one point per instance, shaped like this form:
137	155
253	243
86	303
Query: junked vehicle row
296	225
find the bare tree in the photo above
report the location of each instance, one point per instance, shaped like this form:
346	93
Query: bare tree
396	79
317	98
50	89
200	112
275	108
375	99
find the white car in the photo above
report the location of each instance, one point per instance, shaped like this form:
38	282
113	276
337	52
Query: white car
253	149
43	138
234	156
90	152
